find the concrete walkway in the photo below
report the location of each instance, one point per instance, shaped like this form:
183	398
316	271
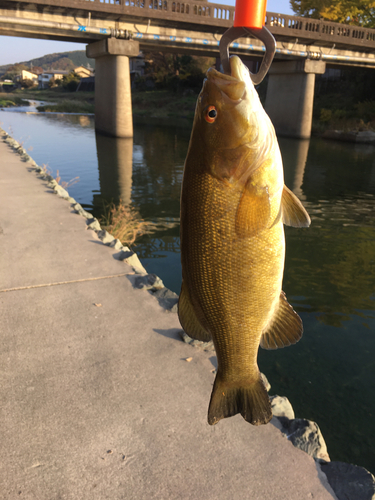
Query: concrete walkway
97	400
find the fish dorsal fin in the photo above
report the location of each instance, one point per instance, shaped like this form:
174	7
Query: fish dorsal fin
285	327
253	212
188	318
293	212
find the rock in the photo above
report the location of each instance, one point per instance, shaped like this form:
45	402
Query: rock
148	282
116	244
135	263
207	346
78	208
267	385
349	482
281	407
167	299
305	435
26	157
60	191
363	137
12	142
125	253
52	184
93	224
105	237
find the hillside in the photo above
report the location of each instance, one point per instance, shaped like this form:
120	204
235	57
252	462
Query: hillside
62	60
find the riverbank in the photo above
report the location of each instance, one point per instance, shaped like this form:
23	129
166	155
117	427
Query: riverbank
177	109
161	295
157	105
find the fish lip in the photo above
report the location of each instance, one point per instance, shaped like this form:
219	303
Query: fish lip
227	83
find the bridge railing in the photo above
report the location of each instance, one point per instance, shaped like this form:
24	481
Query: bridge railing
316	29
211	17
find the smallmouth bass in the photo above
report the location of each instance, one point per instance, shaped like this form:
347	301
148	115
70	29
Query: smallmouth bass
233	207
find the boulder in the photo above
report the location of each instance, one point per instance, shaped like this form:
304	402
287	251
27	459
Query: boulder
116	244
93	224
349	482
305	435
60	191
281	407
207	346
105	237
148	282
167	299
78	208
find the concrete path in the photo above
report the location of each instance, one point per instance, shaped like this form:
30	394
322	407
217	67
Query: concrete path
97	400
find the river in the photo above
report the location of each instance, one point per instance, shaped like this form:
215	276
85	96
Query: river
329	376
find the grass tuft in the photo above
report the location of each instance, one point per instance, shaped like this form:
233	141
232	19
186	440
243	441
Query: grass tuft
124	222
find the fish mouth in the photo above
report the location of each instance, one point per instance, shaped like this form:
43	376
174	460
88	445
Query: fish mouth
233	85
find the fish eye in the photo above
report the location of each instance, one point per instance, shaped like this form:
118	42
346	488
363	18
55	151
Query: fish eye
210	114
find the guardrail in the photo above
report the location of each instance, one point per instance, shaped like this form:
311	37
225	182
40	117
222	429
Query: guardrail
211	17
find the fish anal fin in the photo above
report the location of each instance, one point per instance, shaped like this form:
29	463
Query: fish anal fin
293	212
249	398
285	327
253	212
188	318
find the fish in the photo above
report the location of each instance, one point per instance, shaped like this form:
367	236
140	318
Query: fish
234	205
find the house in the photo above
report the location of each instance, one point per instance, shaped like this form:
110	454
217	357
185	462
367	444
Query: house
27	75
45	77
137	66
83	72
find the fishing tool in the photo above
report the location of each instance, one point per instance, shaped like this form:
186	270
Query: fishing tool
248	21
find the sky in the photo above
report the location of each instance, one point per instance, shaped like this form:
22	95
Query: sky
14	49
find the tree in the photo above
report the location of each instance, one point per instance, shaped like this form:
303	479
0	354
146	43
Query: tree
70	82
354	12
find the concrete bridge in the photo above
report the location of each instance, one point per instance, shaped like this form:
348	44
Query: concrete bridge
118	29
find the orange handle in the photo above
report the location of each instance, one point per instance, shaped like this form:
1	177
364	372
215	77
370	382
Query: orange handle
250	13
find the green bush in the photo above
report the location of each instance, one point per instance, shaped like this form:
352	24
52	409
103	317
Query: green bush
70	82
27	83
325	115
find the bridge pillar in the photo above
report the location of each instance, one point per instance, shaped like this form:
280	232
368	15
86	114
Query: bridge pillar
113	107
290	96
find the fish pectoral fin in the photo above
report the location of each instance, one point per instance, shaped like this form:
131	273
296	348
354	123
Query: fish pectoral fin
188	318
253	212
285	327
249	398
293	212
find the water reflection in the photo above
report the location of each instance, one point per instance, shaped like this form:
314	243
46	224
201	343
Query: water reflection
115	163
294	161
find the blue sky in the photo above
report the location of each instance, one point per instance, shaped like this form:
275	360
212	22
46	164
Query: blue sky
13	49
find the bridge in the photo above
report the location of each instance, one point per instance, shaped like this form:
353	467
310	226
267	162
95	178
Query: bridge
118	29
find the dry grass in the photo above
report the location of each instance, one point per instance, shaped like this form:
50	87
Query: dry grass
125	223
64	184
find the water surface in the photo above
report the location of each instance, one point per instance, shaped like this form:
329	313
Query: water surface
329	376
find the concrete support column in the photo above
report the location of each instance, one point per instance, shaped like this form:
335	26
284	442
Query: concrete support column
290	96
113	107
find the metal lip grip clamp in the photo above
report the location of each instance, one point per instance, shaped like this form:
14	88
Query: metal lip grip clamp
248	21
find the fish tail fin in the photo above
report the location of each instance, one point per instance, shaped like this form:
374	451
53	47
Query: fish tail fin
248	398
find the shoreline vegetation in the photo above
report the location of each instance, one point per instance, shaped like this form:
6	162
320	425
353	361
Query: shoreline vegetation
332	111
